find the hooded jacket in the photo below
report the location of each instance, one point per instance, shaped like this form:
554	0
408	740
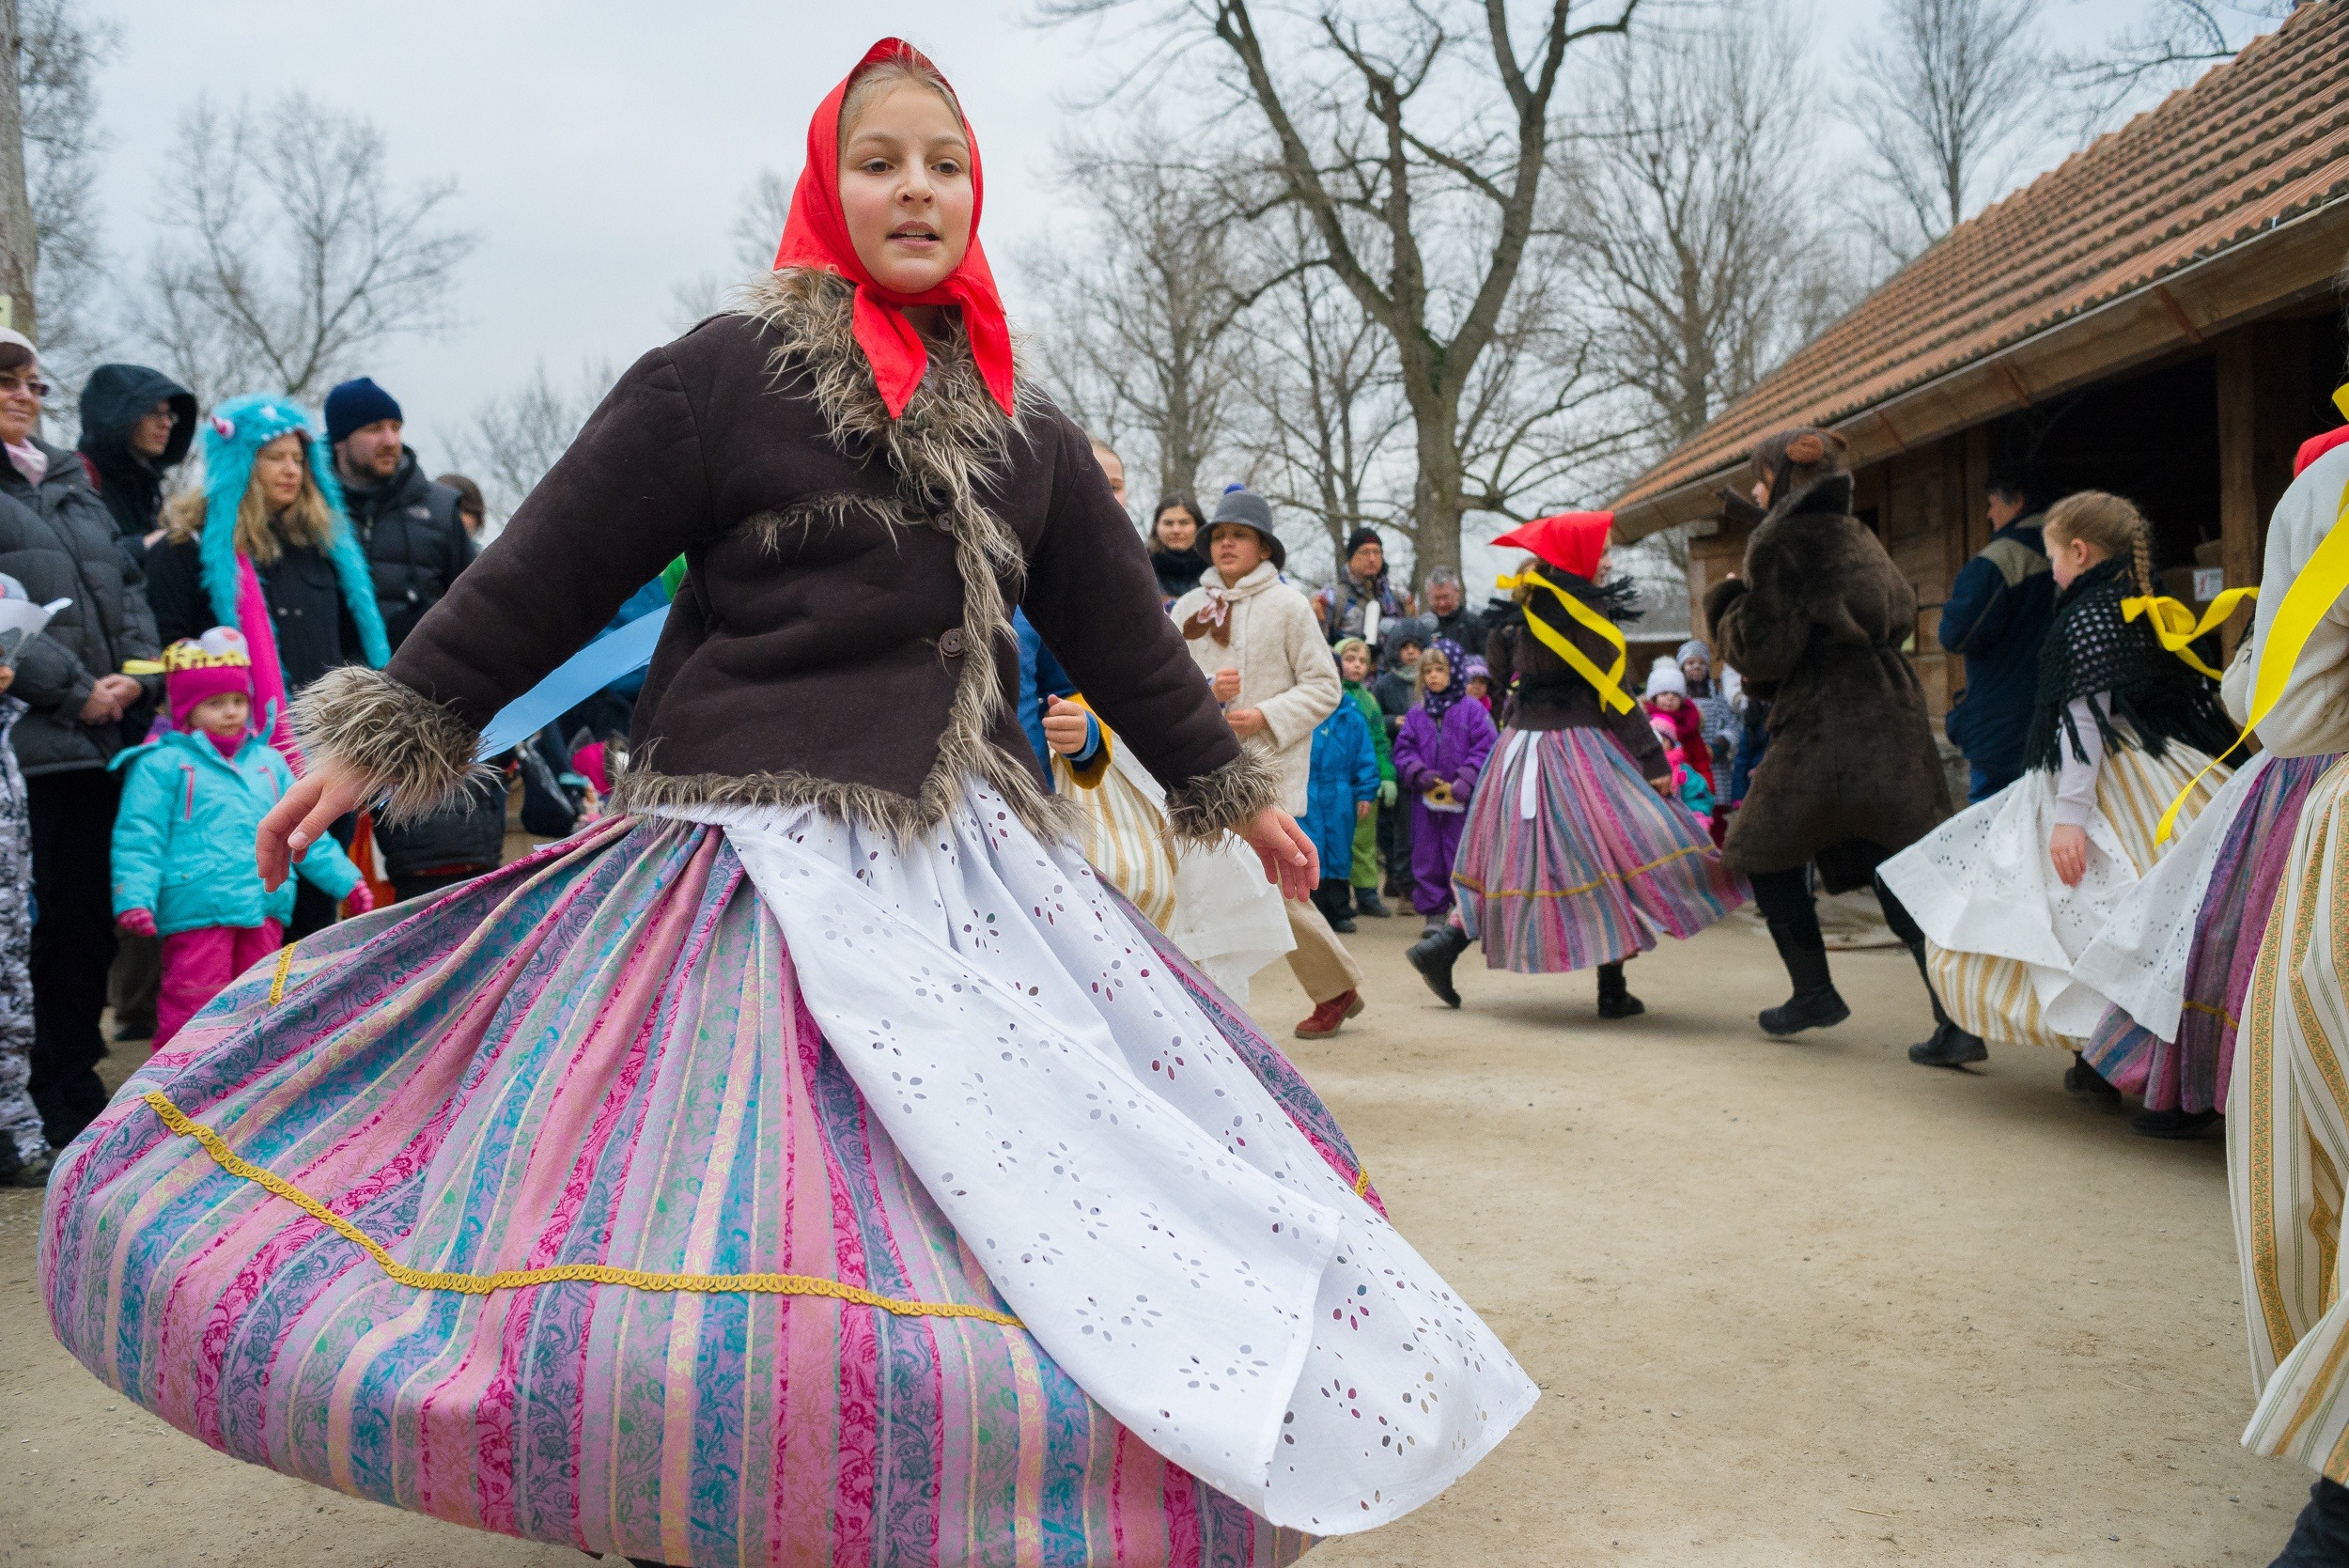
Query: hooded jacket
185	836
1820	612
415	543
1285	671
58	539
842	636
114	398
1345	772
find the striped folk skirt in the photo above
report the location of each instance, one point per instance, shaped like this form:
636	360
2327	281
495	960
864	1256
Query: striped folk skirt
2288	1146
1570	860
546	1207
2001	929
2192	1071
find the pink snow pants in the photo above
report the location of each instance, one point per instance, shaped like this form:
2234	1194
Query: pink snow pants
198	965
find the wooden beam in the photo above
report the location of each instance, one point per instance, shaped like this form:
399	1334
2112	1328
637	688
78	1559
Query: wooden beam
2238	468
2177	313
2004	369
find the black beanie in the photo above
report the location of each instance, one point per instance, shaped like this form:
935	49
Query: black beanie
354	406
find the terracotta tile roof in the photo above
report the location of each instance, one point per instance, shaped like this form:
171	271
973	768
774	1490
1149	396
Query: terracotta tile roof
2260	139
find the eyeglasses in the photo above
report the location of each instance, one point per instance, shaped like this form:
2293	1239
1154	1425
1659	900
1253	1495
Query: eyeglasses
11	385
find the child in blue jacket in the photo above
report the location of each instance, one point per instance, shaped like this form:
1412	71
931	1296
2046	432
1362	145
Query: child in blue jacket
1339	791
184	866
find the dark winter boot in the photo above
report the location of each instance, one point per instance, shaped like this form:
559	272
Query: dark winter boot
1433	955
16	1171
1814	1003
1615	999
2089	1084
2320	1537
2182	1126
1951	1047
1367	903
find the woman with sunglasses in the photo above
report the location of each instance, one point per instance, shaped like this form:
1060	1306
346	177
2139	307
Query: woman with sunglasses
57	538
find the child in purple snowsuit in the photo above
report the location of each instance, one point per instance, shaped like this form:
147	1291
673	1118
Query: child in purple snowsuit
1440	750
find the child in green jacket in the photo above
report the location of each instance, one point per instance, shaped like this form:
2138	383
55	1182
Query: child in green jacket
1354	667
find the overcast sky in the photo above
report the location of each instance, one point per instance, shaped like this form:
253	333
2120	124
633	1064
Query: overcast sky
601	149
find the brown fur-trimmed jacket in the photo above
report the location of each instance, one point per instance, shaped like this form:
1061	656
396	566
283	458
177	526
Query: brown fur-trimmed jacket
842	637
1820	613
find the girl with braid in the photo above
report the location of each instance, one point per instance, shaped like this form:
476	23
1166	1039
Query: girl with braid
2011	892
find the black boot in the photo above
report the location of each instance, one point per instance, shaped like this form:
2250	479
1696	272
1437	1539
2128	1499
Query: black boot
1615	999
2089	1084
1814	1003
2320	1537
1433	955
1951	1047
1366	902
2182	1126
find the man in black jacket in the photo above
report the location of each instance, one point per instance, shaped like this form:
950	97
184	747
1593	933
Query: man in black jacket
408	525
136	424
57	538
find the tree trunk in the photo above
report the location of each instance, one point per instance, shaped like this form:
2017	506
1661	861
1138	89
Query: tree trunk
20	244
1436	506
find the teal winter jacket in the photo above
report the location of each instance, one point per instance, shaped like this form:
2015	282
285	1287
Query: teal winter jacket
186	837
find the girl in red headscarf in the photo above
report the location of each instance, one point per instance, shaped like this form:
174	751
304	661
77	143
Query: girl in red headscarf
806	1158
1575	853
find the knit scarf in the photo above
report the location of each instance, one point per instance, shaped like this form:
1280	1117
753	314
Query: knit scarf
815	235
2151	697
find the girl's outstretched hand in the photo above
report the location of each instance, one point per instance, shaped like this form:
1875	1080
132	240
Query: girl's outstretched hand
329	790
1289	857
2067	847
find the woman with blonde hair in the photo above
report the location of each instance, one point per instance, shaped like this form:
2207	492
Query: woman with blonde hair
266	547
2011	892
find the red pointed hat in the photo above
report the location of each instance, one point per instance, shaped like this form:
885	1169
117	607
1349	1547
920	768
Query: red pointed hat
816	235
1571	541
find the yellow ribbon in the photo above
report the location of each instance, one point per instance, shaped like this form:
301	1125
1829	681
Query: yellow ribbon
2313	593
2176	625
1609	684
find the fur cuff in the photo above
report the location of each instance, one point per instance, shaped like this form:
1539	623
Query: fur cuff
1717	599
1212	804
413	754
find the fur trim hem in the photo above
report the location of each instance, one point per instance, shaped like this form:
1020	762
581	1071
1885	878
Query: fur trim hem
412	755
902	817
1224	801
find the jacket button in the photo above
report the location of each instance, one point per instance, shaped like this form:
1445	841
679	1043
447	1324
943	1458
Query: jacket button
949	643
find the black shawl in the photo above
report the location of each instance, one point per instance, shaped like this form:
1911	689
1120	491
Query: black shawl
2091	649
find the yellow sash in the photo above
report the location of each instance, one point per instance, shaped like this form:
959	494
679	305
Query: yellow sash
2313	592
1609	683
2176	625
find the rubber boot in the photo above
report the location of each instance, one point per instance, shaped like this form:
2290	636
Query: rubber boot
1814	1003
1615	999
2320	1537
1951	1047
1433	955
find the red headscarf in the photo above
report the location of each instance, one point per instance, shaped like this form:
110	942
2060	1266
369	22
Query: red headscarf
1571	541
816	236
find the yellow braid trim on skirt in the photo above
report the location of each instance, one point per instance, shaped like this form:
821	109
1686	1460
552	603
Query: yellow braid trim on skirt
518	1278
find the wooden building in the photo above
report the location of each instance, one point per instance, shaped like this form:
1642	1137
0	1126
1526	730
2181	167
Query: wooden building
2160	316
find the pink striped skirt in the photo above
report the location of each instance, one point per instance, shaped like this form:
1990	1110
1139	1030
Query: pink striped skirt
740	1331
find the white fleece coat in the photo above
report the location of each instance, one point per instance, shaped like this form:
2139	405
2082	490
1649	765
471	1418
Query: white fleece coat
1285	670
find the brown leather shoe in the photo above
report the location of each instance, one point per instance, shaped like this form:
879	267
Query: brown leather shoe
1329	1015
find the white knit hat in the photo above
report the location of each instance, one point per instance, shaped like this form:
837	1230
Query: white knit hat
1665	676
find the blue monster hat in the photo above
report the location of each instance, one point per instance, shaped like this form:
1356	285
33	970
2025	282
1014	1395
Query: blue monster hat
233	437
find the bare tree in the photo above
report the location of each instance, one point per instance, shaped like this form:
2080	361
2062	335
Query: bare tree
61	55
2175	42
1421	207
1141	313
757	231
1324	410
516	437
20	242
293	254
1944	93
1691	219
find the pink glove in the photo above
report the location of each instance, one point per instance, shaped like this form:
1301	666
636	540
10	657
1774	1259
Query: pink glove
360	899
139	923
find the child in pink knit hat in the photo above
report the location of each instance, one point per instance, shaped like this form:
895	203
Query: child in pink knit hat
184	860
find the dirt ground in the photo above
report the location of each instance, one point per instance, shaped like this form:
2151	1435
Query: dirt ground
1797	1303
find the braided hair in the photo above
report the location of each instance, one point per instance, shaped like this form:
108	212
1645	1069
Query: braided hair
2111	524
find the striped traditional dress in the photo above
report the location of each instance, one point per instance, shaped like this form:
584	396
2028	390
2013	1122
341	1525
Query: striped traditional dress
2288	1145
1569	860
547	1207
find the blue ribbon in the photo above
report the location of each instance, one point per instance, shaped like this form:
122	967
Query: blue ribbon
577	678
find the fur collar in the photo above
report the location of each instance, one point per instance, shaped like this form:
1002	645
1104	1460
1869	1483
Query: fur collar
951	440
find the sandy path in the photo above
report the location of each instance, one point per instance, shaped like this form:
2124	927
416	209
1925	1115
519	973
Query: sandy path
1792	1303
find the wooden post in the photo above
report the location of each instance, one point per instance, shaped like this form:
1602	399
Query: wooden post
19	242
2238	470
